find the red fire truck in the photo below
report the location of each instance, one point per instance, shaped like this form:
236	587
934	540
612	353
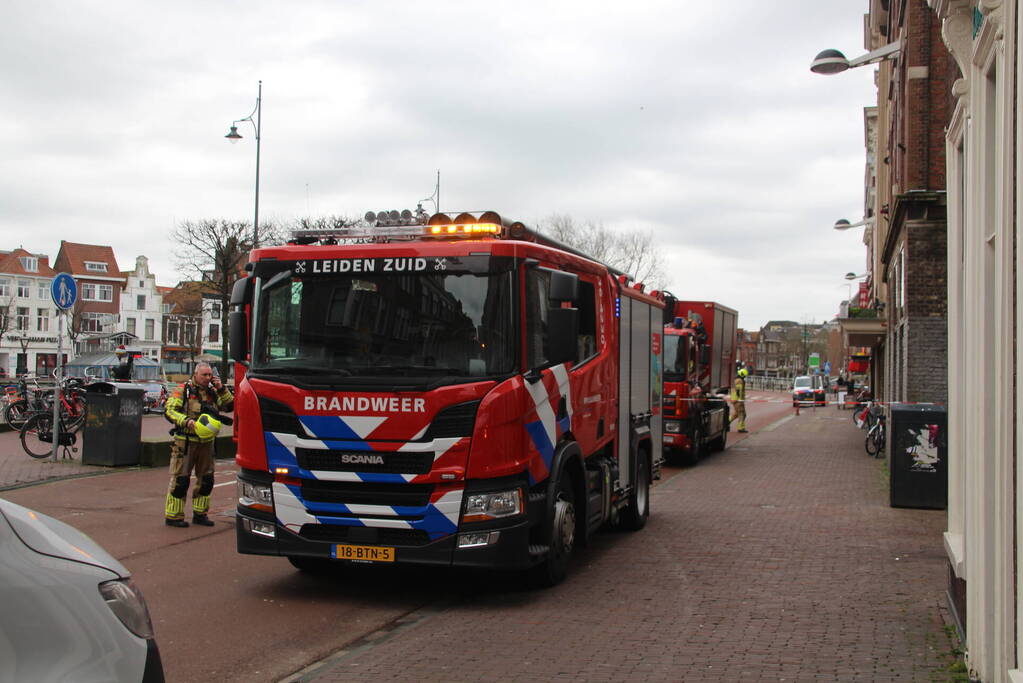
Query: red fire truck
699	354
458	392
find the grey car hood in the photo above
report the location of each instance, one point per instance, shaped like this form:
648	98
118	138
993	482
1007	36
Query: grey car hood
48	536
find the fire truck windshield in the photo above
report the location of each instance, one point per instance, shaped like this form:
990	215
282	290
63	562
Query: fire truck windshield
676	356
365	327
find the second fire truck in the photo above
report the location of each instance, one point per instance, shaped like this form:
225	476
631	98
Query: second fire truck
459	391
699	359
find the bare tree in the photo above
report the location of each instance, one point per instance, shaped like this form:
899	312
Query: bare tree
630	251
6	308
331	222
214	252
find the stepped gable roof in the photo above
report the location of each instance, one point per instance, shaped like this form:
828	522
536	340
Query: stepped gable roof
10	264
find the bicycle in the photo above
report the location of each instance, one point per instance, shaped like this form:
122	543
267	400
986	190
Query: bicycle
22	403
876	435
37	437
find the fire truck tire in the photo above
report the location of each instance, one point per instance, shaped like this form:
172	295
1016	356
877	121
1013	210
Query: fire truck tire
638	509
554	567
690	457
310	565
718	444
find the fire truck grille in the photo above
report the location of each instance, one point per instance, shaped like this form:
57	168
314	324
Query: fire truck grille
393	462
453	421
356	493
336	533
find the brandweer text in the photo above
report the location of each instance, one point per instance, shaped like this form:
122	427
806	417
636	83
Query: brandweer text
362	404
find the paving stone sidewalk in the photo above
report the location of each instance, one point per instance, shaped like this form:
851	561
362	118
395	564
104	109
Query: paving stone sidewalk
777	560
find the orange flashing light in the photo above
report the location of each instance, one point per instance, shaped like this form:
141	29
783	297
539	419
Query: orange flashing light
477	229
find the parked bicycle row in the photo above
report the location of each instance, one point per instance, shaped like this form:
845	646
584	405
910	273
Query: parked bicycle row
28	396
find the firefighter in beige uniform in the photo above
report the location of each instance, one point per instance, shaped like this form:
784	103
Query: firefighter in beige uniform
194	432
739	399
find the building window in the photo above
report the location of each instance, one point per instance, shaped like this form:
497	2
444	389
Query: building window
215	311
29	263
172	331
96	266
140	302
24	288
150	328
42	320
5	287
21	320
165	308
93	322
43	290
214	335
94	292
142	285
130	325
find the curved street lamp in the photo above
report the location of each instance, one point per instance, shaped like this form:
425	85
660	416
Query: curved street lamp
829	62
233	136
843	224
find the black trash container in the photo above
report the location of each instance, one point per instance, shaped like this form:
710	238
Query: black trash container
113	424
917	456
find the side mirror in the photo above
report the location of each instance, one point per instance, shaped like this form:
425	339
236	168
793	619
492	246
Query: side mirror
238	341
564	286
562	334
241	293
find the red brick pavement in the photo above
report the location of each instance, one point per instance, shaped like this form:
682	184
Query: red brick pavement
18	469
778	560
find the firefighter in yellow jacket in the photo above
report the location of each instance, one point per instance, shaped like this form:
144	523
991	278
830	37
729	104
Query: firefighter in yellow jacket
194	408
739	399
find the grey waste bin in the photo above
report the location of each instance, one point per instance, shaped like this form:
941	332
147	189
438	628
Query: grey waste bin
113	424
917	456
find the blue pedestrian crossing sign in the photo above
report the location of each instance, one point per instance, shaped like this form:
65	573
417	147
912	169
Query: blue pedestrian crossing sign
827	367
64	291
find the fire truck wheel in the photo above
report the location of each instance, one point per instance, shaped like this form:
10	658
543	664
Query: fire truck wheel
718	444
635	513
554	568
690	457
311	565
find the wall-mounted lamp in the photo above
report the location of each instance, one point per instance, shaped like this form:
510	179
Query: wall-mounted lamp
843	224
830	62
854	276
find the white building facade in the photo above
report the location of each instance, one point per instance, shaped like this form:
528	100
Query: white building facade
984	538
28	315
141	309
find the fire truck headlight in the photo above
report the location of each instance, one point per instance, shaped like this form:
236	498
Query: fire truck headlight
671	427
255	496
482	507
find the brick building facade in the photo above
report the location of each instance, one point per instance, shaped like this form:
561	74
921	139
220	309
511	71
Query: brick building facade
911	201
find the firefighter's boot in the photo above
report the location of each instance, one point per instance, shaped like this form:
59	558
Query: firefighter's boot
201	520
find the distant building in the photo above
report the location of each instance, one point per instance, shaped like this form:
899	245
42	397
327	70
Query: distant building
100	284
141	309
28	322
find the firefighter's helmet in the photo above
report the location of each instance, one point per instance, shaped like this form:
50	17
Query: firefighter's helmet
207	427
743	372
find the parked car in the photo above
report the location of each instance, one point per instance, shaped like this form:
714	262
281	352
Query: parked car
70	610
808	390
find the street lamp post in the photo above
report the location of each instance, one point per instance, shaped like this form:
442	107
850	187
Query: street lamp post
233	136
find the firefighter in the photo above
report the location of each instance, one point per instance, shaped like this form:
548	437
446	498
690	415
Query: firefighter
739	399
194	410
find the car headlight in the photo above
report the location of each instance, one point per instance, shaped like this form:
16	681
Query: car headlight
255	496
125	600
482	507
671	427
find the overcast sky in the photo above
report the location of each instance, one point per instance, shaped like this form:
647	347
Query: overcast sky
698	121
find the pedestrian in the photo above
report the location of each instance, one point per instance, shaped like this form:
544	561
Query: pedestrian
194	409
739	399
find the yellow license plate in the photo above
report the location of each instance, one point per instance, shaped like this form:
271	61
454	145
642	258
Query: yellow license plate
363	553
